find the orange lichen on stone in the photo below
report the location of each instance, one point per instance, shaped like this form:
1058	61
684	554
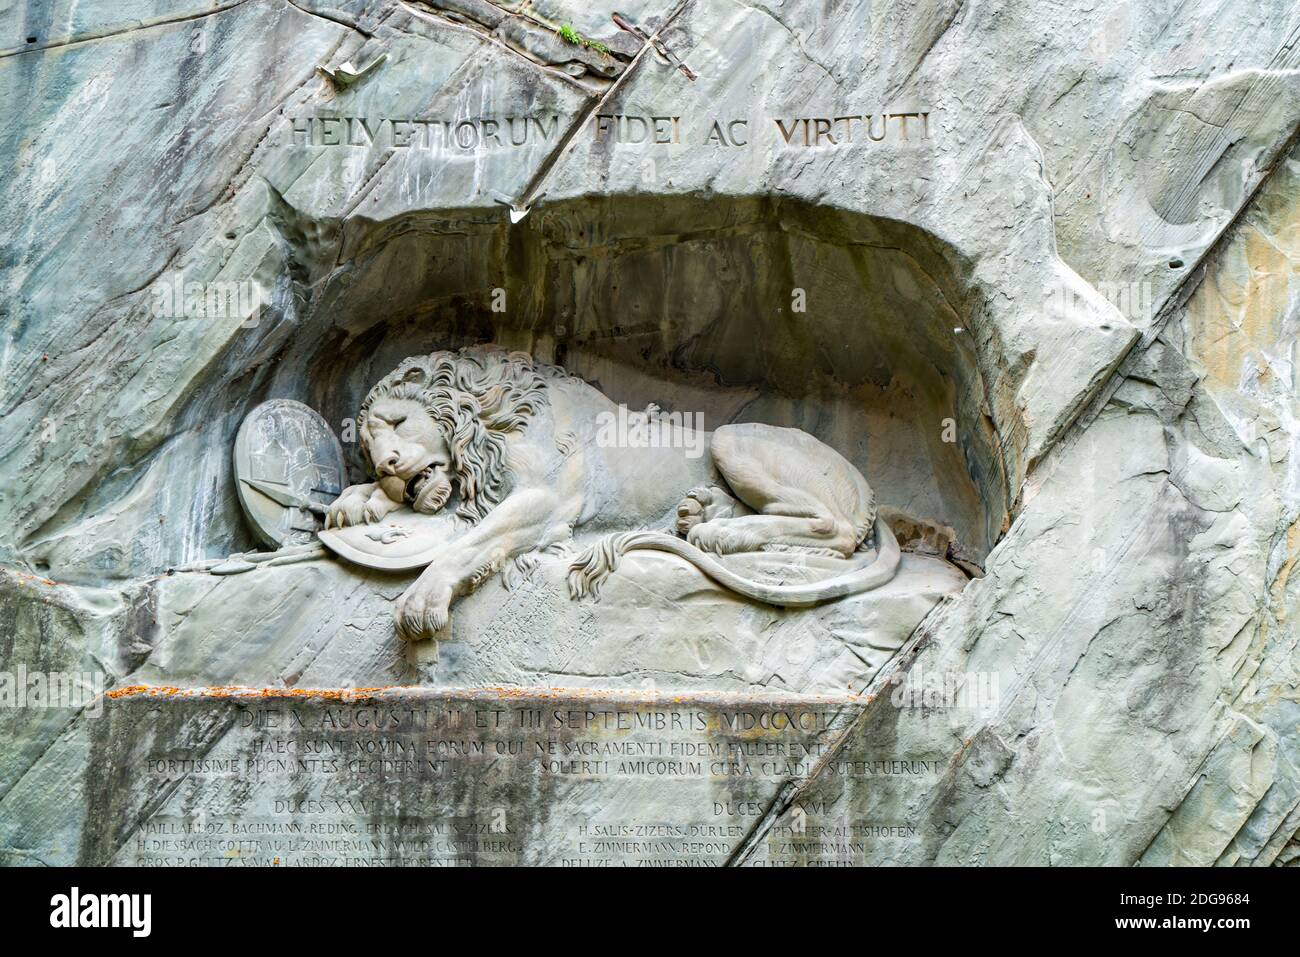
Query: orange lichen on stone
360	694
1237	315
237	691
26	578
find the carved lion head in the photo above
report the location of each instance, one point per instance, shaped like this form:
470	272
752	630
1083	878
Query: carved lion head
437	425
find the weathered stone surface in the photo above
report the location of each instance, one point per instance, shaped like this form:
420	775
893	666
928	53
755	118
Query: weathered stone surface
1054	326
430	778
659	624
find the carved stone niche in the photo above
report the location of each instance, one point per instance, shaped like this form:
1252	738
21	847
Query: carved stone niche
860	332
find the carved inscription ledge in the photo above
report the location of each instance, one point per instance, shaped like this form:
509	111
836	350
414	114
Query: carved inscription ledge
636	696
418	777
835	128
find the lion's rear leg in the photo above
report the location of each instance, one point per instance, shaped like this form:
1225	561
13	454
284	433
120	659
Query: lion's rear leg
752	533
788	516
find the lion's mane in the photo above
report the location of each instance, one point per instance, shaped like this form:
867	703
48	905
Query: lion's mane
478	396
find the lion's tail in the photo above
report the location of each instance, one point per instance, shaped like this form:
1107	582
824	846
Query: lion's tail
594	564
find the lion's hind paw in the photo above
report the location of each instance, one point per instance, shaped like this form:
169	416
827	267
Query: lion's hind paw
702	504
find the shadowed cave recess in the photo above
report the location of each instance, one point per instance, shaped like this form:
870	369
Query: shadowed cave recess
857	330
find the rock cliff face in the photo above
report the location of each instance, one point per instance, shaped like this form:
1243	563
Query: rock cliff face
1031	267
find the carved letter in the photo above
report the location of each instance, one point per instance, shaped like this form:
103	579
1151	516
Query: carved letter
644	129
466	135
541	127
330	133
822	127
903	118
788	133
848	126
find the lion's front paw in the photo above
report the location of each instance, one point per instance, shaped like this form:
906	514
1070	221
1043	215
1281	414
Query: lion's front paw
377	506
348	508
359	505
424	610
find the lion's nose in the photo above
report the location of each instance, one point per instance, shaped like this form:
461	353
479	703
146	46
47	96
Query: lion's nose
388	464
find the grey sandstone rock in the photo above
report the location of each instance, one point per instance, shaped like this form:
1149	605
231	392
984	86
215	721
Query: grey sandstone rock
1028	267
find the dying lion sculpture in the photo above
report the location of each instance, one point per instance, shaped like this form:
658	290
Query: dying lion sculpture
512	444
